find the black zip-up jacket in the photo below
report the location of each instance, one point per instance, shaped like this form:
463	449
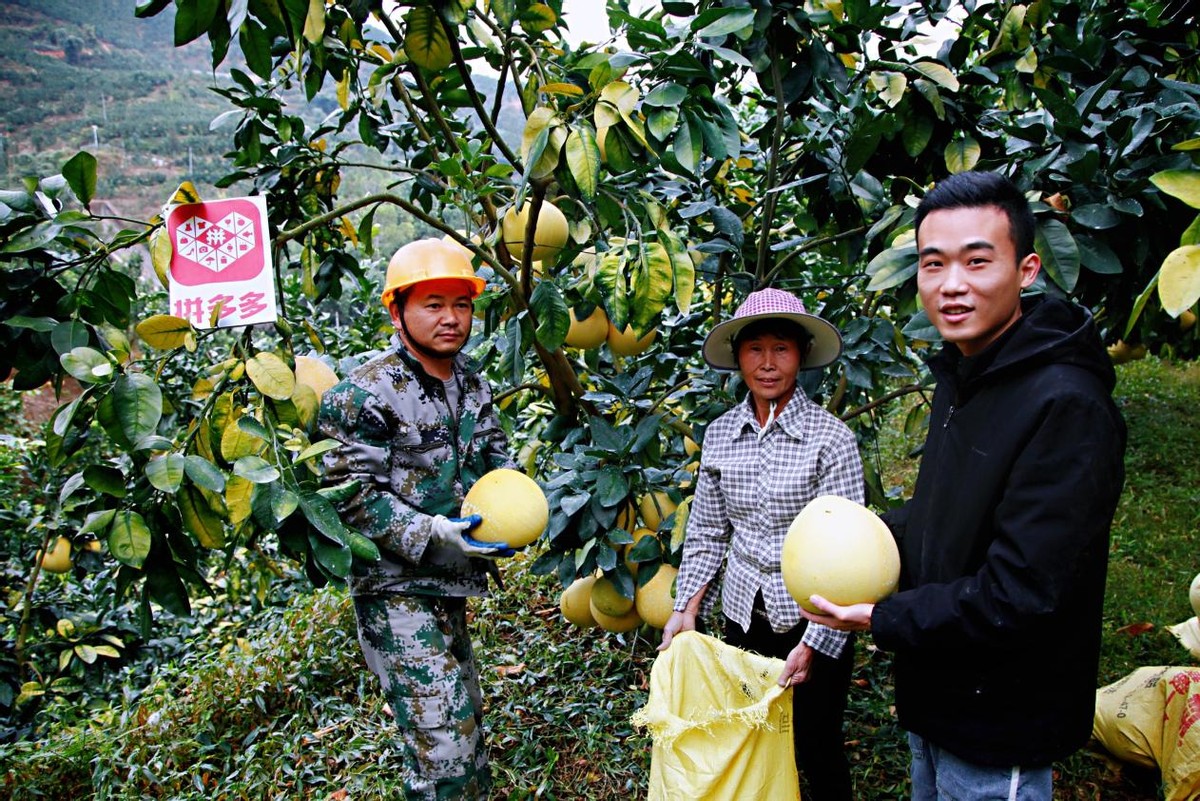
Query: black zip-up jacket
1004	544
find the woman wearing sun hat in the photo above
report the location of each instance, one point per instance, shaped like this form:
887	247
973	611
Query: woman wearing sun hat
761	462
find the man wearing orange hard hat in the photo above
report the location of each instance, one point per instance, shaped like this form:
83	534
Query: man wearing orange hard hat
416	427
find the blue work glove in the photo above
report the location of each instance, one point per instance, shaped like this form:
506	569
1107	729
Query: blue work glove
452	531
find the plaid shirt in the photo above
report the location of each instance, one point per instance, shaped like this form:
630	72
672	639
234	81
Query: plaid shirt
752	484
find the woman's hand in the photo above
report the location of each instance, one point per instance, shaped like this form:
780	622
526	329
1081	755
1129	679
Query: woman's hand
795	668
677	622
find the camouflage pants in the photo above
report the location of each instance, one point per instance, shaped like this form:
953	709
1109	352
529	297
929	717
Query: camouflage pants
420	649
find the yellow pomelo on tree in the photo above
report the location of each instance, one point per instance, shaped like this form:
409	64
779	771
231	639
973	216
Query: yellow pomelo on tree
315	374
655	600
58	560
626	343
617	623
840	550
1194	595
588	333
607	599
638	534
576	602
512	505
627	517
549	236
655	508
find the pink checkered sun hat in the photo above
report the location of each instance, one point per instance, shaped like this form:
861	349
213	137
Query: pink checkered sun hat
765	304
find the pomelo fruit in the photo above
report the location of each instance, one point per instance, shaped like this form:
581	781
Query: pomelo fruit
840	550
655	600
1194	595
626	343
617	623
575	602
549	236
588	333
608	600
512	505
315	373
655	508
58	560
638	534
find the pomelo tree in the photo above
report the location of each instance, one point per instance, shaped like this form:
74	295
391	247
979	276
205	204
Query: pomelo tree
707	149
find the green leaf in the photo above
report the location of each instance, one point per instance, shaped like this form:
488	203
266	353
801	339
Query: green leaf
1179	280
105	479
552	315
667	95
137	405
204	473
332	558
653	280
324	517
98	522
193	19
80	172
87	365
255	469
729	21
129	538
583	159
893	267
1060	254
316	449
1182	184
165	472
69	335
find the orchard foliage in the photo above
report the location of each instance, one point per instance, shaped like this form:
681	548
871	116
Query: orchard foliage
711	148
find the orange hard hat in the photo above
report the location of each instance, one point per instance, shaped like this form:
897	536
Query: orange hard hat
429	260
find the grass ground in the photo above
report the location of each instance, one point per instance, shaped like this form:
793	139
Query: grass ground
292	713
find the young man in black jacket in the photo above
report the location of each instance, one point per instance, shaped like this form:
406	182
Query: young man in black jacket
1004	544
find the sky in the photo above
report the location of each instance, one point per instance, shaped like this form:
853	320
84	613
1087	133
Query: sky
586	19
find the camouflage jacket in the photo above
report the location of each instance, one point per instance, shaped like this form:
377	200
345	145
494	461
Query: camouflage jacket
415	460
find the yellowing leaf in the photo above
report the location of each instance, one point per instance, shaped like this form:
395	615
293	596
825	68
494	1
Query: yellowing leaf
237	498
199	520
343	90
1182	184
314	22
890	86
186	193
583	159
271	375
236	443
164	331
161	252
938	74
1179	280
425	39
962	155
569	89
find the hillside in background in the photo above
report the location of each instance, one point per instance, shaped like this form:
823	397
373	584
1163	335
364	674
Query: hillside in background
91	76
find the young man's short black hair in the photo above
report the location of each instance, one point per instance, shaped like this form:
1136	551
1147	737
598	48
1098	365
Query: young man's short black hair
968	190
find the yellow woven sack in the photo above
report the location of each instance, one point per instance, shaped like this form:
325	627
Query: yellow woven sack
1152	718
720	724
